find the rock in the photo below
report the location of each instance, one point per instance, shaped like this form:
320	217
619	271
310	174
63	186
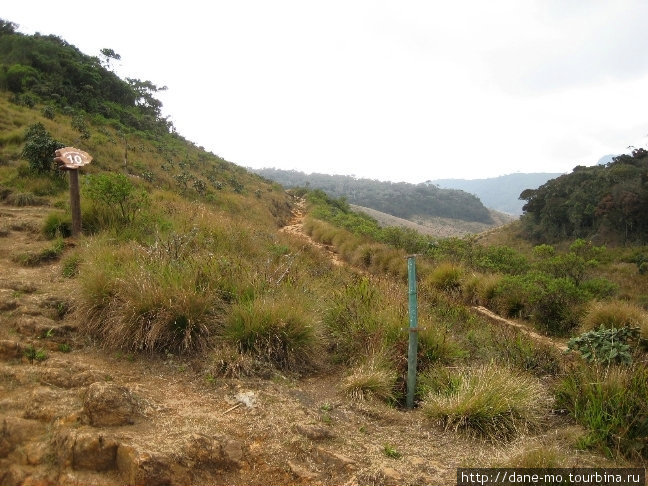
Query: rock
16	431
199	449
69	377
10	349
314	432
37	453
46	404
334	459
301	472
137	466
85	478
86	449
233	451
391	476
108	404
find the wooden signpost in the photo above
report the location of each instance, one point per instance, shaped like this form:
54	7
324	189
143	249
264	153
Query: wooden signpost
71	159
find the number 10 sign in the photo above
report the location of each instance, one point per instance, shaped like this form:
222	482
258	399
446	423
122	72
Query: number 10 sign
72	158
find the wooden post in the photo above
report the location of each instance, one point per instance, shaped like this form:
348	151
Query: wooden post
71	159
75	202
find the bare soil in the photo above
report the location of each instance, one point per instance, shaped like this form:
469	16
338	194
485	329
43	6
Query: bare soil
72	413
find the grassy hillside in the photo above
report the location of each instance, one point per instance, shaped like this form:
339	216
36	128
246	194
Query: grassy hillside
182	256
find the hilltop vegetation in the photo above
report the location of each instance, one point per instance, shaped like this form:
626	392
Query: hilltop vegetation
396	198
607	202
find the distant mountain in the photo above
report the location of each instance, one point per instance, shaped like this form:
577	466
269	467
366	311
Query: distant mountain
499	193
401	199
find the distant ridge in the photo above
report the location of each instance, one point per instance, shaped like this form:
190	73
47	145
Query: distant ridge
499	193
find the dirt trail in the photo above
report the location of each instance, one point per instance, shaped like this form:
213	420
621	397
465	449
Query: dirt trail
296	228
72	413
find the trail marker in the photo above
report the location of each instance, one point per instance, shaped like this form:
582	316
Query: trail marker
71	159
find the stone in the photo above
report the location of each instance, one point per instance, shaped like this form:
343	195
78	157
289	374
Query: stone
137	466
10	349
16	431
314	432
391	476
108	404
334	459
300	471
86	449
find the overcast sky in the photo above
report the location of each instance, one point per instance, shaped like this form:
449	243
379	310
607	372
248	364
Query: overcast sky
391	90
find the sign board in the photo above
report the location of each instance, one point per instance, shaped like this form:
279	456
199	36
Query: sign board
71	158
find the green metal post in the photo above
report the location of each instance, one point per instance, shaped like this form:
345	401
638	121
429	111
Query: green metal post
412	349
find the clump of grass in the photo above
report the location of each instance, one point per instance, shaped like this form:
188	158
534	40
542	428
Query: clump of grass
47	255
33	354
611	403
57	224
391	452
371	379
534	455
133	304
490	401
275	330
446	277
615	314
24	199
70	265
481	289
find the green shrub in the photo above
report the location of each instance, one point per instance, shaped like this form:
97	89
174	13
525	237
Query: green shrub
490	402
274	330
117	196
606	346
611	404
502	259
39	149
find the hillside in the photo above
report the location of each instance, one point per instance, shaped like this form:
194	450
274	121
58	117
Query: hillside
208	327
398	199
500	193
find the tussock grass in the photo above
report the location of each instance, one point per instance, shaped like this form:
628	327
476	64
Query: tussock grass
615	314
489	401
57	224
446	277
274	329
373	379
22	199
47	255
611	404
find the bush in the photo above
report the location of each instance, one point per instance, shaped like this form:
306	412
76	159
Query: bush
606	346
117	196
611	403
273	330
39	149
490	402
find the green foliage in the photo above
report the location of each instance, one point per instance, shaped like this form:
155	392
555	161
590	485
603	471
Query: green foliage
606	200
39	149
611	404
501	259
47	255
605	345
21	77
70	265
117	195
33	354
391	452
446	277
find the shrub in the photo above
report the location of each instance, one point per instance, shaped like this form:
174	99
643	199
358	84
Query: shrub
117	195
611	403
39	149
274	330
490	402
606	346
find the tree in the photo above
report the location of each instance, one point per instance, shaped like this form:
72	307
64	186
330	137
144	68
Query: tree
109	55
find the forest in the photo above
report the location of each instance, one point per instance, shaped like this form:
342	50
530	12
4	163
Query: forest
396	198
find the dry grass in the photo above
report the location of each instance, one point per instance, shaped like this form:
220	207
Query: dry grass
372	379
615	314
491	402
